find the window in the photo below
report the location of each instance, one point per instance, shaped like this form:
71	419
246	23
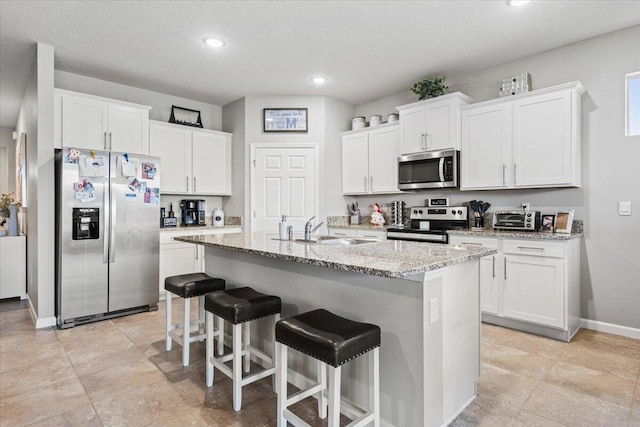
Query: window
632	103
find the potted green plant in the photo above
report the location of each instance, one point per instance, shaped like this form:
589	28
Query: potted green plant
430	88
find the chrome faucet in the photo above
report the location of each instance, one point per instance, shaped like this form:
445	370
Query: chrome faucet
308	231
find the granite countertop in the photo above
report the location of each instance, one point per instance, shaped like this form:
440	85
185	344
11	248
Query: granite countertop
198	227
516	234
390	258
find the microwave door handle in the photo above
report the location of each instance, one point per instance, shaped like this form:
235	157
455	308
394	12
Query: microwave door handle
441	169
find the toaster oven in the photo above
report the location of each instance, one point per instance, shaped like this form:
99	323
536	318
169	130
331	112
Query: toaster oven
516	220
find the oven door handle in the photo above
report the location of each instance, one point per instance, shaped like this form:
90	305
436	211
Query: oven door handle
441	169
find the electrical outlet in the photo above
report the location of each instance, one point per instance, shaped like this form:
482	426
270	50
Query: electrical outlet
624	208
526	206
433	310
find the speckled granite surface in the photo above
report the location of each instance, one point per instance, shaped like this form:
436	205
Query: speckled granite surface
391	258
229	222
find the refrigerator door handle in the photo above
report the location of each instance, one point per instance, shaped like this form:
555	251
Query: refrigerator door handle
107	229
112	228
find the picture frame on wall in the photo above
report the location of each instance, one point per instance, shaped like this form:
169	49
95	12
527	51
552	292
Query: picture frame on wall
285	120
564	221
547	223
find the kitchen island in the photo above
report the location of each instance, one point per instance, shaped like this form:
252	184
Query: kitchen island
424	297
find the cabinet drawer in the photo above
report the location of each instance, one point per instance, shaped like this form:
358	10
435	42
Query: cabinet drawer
344	232
474	241
534	248
221	231
373	234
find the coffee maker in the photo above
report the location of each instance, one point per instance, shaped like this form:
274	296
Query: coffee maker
192	212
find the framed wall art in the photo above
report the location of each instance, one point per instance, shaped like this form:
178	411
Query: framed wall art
285	120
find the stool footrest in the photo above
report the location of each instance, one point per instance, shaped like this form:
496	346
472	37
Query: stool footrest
362	421
218	362
297	397
294	419
192	338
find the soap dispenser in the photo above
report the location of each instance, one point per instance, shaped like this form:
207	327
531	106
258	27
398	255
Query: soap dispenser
282	228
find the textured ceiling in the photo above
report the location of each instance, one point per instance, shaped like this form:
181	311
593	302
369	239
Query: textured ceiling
367	49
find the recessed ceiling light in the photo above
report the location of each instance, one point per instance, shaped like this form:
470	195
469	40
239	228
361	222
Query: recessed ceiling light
319	80
214	42
518	2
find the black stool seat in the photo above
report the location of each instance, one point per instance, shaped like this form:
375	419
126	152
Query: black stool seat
193	284
324	336
240	305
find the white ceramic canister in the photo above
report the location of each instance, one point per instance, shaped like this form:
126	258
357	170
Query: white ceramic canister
393	117
218	218
358	122
375	120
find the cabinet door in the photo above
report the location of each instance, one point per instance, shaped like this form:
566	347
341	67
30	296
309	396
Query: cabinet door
383	164
372	234
173	146
209	161
412	125
343	232
489	282
534	290
542	140
84	123
485	151
13	266
355	163
178	258
438	130
128	129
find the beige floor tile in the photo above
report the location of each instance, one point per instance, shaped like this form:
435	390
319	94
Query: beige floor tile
546	347
85	417
28	377
10	340
581	354
486	411
86	363
501	391
202	416
622	346
634	418
521	362
636	400
571	408
491	332
96	341
40	404
150	403
133	375
19	320
602	385
77	331
31	354
525	419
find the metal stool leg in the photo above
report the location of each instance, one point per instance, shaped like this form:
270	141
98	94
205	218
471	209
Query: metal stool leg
169	320
186	332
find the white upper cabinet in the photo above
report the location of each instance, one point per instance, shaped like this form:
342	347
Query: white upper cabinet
369	160
196	162
96	123
431	124
530	140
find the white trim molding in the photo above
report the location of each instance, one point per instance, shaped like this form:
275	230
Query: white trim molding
43	322
611	328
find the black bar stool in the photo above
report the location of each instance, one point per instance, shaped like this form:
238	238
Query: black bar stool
333	341
188	286
239	307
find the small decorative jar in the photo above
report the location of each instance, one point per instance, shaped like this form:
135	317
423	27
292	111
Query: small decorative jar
13	220
358	122
375	120
393	117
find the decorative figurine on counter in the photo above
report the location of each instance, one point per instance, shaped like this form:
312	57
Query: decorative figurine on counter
376	216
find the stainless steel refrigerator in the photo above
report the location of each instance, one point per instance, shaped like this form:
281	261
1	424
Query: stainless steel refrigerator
107	234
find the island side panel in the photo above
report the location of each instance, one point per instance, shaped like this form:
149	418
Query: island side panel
395	305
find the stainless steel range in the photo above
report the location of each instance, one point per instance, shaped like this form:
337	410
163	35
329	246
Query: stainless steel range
430	224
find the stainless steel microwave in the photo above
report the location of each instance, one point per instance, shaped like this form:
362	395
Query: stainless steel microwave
429	169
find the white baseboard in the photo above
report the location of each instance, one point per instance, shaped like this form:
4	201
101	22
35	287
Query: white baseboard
43	322
610	328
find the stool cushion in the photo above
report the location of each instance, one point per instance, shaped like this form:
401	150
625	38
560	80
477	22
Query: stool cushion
327	337
242	304
193	284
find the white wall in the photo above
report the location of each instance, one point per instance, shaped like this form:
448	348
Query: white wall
7	161
610	262
160	102
36	120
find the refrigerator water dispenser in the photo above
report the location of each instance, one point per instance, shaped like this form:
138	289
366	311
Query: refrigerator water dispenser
86	223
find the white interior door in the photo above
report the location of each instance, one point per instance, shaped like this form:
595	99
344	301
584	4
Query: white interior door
284	184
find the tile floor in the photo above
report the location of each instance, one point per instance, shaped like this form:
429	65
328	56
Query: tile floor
117	373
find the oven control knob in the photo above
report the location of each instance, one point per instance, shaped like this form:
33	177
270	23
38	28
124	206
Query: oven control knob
420	211
453	212
528	219
459	212
415	211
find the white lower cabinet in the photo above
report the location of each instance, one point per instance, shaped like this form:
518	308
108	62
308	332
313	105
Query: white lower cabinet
530	284
13	267
182	258
354	232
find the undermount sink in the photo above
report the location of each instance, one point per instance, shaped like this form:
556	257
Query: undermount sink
335	240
